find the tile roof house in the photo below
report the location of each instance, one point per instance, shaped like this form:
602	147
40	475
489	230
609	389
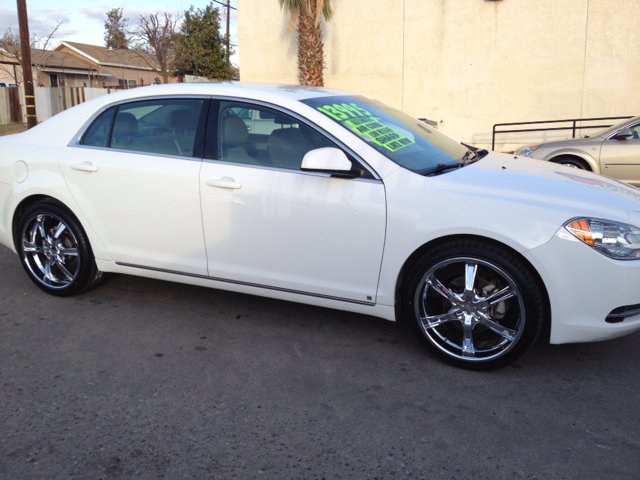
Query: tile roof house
52	69
72	64
117	66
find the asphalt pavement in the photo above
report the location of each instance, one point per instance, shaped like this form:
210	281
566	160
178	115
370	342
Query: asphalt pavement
147	379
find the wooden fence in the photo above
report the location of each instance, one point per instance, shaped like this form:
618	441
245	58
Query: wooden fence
11	101
49	101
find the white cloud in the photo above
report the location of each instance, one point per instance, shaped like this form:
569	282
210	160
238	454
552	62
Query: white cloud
99	14
8	18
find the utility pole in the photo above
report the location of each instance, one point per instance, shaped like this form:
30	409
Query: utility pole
228	19
27	76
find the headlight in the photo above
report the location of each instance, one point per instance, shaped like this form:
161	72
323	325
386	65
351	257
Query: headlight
525	152
613	239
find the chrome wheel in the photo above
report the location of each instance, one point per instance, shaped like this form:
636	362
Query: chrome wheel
469	309
50	251
571	165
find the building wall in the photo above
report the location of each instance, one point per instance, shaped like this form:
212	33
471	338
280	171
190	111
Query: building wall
467	64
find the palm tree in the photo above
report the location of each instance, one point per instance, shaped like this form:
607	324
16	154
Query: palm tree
306	16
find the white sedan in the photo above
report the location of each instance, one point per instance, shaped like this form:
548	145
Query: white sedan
327	198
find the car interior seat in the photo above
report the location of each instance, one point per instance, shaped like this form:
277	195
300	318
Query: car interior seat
233	135
183	125
287	145
125	128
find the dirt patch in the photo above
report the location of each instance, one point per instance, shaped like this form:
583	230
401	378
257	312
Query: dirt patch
12	128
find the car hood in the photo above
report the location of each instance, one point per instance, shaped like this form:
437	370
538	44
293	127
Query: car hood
521	202
565	143
566	189
547	184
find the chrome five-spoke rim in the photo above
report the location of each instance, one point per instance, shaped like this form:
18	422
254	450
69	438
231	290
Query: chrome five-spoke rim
50	251
470	309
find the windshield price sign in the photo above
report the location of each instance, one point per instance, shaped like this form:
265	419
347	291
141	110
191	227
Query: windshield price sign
363	122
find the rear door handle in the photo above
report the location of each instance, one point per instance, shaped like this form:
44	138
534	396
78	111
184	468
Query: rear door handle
224	182
84	167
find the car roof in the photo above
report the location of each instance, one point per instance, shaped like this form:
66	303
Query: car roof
64	125
242	89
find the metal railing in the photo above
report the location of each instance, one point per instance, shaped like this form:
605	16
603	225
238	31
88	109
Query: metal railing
572	128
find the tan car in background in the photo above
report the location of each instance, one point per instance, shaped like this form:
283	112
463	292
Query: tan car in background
614	152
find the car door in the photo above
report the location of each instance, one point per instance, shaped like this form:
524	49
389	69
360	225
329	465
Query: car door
269	224
621	158
134	175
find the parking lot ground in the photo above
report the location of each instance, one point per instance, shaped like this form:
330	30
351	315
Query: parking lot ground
147	379
12	128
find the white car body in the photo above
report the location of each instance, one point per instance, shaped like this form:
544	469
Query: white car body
255	239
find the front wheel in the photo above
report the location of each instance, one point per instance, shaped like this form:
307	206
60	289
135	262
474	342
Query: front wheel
571	162
474	305
55	251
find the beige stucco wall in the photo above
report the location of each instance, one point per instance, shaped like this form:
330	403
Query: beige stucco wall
467	64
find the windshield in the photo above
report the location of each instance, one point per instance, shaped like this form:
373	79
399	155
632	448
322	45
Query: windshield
404	139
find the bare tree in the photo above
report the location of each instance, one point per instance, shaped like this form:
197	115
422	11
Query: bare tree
10	46
10	50
157	38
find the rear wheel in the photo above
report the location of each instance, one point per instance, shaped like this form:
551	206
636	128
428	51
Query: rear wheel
474	305
55	251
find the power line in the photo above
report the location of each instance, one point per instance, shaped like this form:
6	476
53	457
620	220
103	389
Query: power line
224	4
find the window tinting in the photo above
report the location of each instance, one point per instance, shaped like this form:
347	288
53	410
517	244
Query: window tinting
157	126
258	135
97	135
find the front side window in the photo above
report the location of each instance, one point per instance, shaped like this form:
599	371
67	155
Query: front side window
400	137
258	135
165	126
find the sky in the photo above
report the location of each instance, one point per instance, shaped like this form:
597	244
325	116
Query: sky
83	20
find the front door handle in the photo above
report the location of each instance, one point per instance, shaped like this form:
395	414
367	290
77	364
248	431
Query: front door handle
84	167
224	182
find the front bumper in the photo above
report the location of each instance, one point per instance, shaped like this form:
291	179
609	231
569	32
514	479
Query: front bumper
584	287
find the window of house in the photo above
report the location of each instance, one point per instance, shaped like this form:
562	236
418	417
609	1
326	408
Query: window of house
58	80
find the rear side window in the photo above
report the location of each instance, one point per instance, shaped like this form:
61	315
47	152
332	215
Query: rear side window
97	135
165	126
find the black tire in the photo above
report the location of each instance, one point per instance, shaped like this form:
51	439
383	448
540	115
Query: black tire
54	250
487	326
571	162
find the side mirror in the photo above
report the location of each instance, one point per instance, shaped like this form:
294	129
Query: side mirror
623	134
329	160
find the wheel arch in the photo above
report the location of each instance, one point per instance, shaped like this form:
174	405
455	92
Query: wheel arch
33	199
588	160
18	212
417	254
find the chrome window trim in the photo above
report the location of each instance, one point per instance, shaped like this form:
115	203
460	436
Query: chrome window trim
308	123
75	140
289	170
247	284
616	132
137	152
